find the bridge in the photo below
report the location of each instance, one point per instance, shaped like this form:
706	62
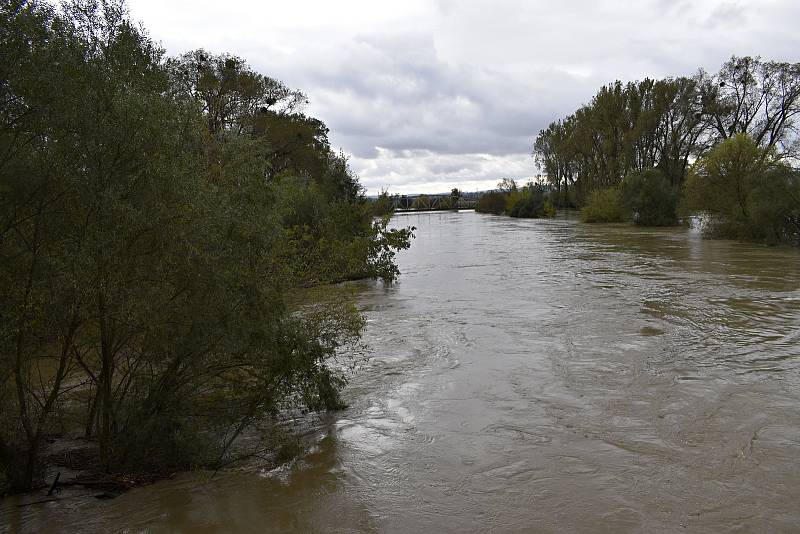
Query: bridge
408	204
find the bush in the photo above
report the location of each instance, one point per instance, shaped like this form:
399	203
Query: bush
603	206
492	202
649	199
512	198
746	192
775	207
532	203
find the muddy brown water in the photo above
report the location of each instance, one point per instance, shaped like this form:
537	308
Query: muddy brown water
532	376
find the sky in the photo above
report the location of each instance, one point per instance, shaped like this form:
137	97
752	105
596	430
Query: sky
424	96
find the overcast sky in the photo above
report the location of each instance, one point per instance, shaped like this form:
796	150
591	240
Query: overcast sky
429	95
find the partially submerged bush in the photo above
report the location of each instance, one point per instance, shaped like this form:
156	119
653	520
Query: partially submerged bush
775	207
746	192
492	202
603	206
562	198
649	199
532	203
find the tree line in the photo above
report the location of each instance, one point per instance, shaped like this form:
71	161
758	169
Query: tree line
163	221
639	145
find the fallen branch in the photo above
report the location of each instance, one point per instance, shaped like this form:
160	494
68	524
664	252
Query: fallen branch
53	485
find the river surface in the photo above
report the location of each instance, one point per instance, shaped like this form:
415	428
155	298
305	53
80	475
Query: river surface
532	376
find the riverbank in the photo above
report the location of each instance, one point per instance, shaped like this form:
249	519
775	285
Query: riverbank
75	462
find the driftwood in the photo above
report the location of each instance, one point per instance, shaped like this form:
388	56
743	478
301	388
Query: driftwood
54	484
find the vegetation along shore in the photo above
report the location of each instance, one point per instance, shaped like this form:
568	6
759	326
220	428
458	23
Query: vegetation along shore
161	219
655	151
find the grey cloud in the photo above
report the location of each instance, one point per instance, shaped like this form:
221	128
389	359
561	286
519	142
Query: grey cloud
453	93
383	99
726	14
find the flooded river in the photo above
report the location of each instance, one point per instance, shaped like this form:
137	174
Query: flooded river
537	376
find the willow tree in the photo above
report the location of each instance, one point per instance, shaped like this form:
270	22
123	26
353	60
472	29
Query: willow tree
746	191
150	262
755	97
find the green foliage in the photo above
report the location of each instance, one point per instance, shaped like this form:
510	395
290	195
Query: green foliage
382	205
562	199
492	202
513	196
667	124
775	207
649	199
746	192
531	202
156	225
383	247
624	129
603	206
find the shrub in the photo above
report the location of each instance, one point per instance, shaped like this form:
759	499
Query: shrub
512	198
603	206
649	199
745	192
532	203
492	202
775	207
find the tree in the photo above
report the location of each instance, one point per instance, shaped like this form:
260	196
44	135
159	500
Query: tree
745	191
150	261
507	185
759	98
230	94
666	124
603	206
382	205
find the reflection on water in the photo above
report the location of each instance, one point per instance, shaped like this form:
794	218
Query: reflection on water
544	376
